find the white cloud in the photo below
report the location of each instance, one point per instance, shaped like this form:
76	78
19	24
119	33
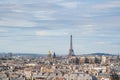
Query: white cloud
1	30
50	33
69	4
88	29
42	33
100	43
18	10
44	15
16	23
108	5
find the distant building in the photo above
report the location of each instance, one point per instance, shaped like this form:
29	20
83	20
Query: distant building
49	55
71	51
9	55
71	56
103	59
82	60
54	57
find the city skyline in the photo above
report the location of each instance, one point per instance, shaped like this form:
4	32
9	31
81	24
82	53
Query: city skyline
43	25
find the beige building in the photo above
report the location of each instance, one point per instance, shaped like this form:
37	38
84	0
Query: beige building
103	59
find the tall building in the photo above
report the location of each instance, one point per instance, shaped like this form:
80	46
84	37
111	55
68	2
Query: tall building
49	55
71	51
103	59
54	57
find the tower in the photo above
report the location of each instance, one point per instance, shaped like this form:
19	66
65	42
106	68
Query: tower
54	57
71	51
49	55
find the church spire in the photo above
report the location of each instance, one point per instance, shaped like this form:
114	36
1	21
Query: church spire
54	55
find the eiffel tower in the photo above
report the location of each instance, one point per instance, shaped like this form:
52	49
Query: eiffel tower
71	51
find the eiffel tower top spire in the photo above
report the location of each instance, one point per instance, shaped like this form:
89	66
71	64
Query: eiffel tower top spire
71	51
71	42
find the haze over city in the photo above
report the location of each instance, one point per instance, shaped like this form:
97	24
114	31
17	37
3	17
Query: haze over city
28	26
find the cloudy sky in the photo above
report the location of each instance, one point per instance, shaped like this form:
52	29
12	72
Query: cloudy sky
36	26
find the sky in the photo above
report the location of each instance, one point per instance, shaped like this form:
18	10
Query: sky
37	26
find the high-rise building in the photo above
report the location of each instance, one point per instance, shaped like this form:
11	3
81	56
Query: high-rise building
71	51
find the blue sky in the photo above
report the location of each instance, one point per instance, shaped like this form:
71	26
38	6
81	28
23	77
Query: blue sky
41	25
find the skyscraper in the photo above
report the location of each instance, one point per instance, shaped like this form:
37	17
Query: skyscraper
71	51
